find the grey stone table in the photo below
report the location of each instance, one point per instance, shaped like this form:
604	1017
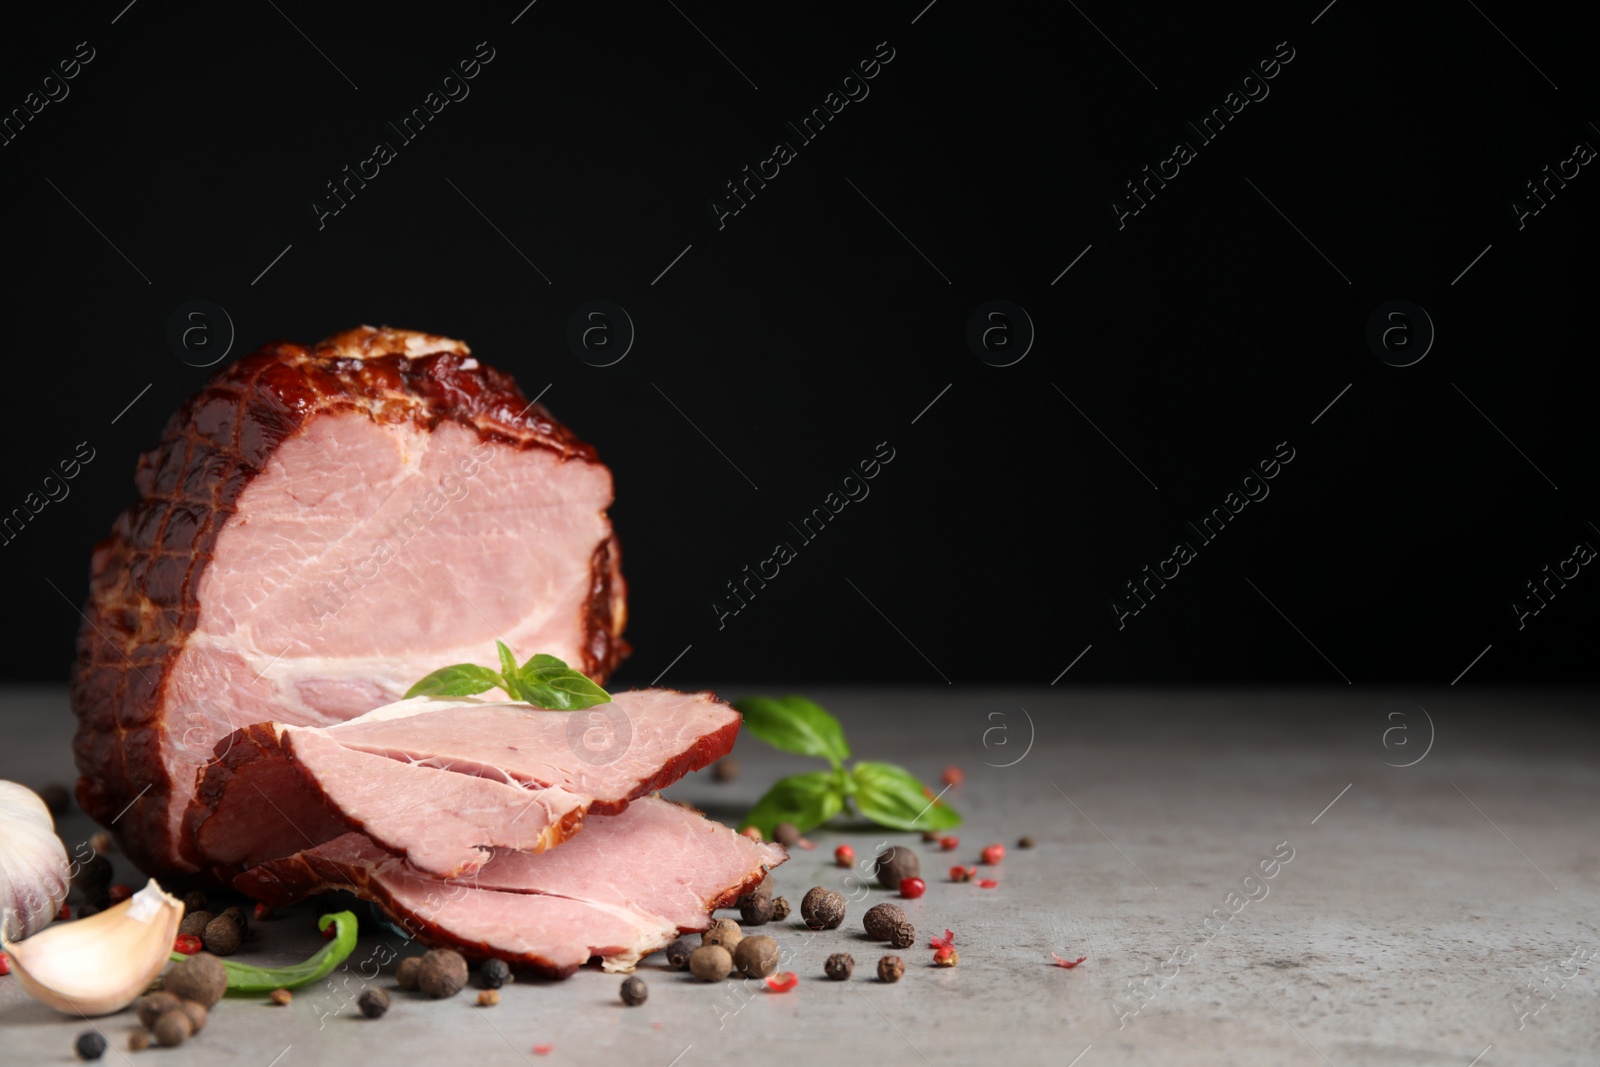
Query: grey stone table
1422	914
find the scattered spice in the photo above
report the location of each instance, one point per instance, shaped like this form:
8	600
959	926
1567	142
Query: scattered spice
1068	964
988	883
635	992
756	909
138	1041
405	975
194	900
959	873
822	909
881	919
678	954
710	963
239	918
488	998
912	888
929	837
904	935
840	966
443	973
65	913
946	957
786	834
494	974
946	941
782	983
953	776
949	844
752	832
188	944
1025	842
725	769
724	932
780	909
756	957
542	1050
195	923
281	997
153	1006
5	963
373	1003
994	854
197	1014
891	968
895	864
173	1029
262	911
101	842
222	935
201	978
844	856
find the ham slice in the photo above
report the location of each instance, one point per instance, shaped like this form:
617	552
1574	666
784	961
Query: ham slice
620	890
442	782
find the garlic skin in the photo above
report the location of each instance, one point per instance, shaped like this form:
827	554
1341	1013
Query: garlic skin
101	964
34	872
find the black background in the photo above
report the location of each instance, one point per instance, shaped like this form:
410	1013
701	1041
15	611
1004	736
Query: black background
808	329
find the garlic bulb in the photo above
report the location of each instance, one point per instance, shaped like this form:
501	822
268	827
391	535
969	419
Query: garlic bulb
101	964
34	873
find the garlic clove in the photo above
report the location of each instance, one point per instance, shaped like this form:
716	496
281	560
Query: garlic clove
101	964
34	872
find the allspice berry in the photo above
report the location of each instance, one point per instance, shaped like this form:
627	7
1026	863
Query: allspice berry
197	1014
1025	842
881	919
194	900
786	834
756	957
405	975
138	1041
173	1028
724	932
443	973
890	969
822	909
725	769
195	923
780	909
373	1003
678	954
840	966
710	963
895	864
154	1006
222	936
200	978
756	909
904	935
635	992
237	914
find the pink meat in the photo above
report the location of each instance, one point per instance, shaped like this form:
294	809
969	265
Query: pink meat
620	890
443	782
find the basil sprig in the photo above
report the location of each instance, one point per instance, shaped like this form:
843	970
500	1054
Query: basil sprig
544	682
886	793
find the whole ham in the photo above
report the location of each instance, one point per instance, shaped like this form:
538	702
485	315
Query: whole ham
318	528
623	888
445	782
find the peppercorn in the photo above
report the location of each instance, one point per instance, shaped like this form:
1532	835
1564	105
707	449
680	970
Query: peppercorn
786	834
904	935
237	914
138	1041
635	992
494	974
724	932
725	769
891	968
953	776
488	998
895	864
405	975
929	837
197	1014
194	923
822	909
780	909
949	844
101	842
91	1045
222	936
173	1029
194	900
756	957
373	1003
959	873
844	856
840	966
756	909
154	1006
946	957
443	973
1025	842
881	919
678	954
281	997
912	888
200	978
710	963
993	854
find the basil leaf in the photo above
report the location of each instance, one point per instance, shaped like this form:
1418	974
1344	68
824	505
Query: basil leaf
243	978
461	680
795	724
888	795
508	662
542	660
556	689
806	800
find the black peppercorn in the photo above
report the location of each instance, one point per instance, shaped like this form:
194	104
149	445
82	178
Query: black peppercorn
881	919
635	992
373	1003
822	909
895	864
494	974
1026	842
90	1045
840	966
904	935
678	954
780	909
891	968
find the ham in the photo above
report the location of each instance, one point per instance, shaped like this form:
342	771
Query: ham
318	528
445	782
623	888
